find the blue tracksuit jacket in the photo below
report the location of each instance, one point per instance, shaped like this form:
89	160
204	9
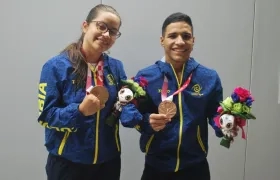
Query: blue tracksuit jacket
184	140
81	139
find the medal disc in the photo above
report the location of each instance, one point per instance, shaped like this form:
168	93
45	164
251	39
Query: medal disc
168	108
101	93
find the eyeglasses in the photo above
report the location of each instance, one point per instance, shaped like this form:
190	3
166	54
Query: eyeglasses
101	26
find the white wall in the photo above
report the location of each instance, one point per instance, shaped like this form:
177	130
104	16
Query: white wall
263	159
226	39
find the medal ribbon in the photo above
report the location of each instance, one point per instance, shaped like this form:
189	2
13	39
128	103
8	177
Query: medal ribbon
165	88
97	71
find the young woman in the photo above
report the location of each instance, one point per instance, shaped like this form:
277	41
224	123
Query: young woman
77	91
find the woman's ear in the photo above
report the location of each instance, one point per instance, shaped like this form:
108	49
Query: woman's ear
85	26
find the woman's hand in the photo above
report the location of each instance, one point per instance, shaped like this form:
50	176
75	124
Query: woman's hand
90	105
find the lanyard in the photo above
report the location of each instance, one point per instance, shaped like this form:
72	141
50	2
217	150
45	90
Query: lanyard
165	88
97	71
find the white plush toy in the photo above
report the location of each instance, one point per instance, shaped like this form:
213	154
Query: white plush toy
227	125
131	92
125	95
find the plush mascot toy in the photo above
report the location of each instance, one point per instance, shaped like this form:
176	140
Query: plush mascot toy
132	91
125	95
233	113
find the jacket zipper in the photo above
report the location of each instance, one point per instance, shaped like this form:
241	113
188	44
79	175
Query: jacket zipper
96	130
181	117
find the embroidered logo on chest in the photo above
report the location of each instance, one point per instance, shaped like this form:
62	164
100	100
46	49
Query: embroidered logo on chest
110	79
196	90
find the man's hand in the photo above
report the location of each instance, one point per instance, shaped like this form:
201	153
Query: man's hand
158	121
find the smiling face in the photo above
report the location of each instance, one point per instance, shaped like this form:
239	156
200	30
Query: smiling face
101	33
177	41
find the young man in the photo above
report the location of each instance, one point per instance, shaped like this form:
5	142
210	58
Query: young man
184	98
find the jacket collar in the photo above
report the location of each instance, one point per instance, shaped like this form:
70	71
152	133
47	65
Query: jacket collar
105	60
166	68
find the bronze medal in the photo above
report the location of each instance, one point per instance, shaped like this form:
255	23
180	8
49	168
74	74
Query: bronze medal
168	108
101	93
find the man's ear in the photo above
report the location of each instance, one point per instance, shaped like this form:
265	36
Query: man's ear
84	27
193	40
161	41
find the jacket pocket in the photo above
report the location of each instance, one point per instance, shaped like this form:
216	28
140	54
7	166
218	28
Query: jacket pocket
149	142
63	142
117	137
200	140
